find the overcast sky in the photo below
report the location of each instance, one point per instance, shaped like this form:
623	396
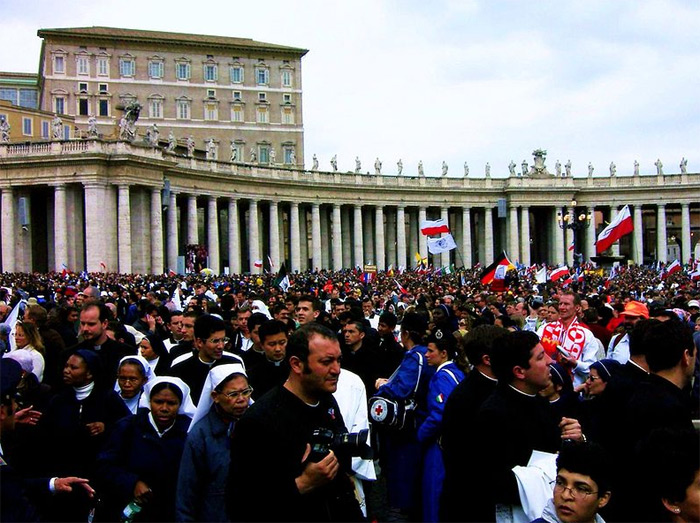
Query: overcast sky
455	80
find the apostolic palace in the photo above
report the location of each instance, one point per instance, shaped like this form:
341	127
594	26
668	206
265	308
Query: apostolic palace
129	150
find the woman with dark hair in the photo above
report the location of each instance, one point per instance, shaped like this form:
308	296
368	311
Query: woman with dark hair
138	468
133	373
560	393
153	350
441	354
601	372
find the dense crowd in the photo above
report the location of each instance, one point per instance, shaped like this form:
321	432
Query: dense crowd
230	398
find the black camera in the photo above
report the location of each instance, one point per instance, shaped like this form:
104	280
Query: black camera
346	444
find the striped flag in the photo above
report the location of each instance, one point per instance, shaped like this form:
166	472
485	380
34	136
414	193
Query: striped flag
619	227
431	227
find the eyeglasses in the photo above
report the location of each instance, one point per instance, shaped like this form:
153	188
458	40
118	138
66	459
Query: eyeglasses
593	378
216	341
121	379
235	394
578	491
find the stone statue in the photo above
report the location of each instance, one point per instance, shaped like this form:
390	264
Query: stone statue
511	168
273	156
420	168
466	169
210	150
636	168
155	135
172	142
590	169
4	130
444	168
253	155
399	167
567	168
557	169
57	128
684	165
487	170
92	127
292	157
358	165
377	166
127	124
334	163
314	164
525	168
613	169
190	146
659	167
234	152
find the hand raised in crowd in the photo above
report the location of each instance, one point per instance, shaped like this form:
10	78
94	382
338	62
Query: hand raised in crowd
571	429
317	474
27	416
66	485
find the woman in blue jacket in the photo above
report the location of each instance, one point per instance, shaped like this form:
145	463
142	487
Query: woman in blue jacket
141	459
441	353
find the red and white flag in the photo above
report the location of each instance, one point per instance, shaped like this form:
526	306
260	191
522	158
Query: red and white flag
258	263
619	227
674	267
558	273
571	245
431	227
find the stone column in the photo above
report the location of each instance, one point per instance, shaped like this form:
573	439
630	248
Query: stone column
94	232
686	247
390	238
513	235
422	239
661	246
304	235
346	237
401	236
124	228
213	235
445	257
315	236
60	227
368	237
359	260
614	211
8	230
156	231
559	252
253	236
173	233
234	237
488	235
294	240
467	237
413	246
379	237
638	235
337	239
590	236
275	235
569	238
325	239
525	236
192	227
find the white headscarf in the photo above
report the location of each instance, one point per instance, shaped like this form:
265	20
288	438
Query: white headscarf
148	373
259	306
215	377
186	406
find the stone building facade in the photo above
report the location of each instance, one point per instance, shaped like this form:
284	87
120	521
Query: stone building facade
242	94
116	206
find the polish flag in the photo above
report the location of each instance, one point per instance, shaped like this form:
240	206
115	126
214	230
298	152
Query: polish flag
619	227
559	273
674	267
257	263
695	275
431	227
571	247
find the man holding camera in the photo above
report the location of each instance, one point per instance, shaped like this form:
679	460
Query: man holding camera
279	471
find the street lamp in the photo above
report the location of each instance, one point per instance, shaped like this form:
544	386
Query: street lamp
574	222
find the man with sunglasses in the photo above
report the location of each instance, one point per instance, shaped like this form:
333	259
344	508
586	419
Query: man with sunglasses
209	342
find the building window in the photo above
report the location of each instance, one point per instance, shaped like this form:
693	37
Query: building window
59	64
59	105
262	75
237	113
127	67
27	126
183	109
182	69
103	66
237	74
287	116
66	132
261	115
103	106
288	151
211	93
286	78
211	72
238	147
287	98
83	65
103	88
262	97
155	69
237	96
264	154
9	94
155	108
83	87
44	129
211	111
83	107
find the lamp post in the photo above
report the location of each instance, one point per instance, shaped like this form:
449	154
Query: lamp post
575	223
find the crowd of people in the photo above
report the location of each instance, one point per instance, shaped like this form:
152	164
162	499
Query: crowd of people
334	396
